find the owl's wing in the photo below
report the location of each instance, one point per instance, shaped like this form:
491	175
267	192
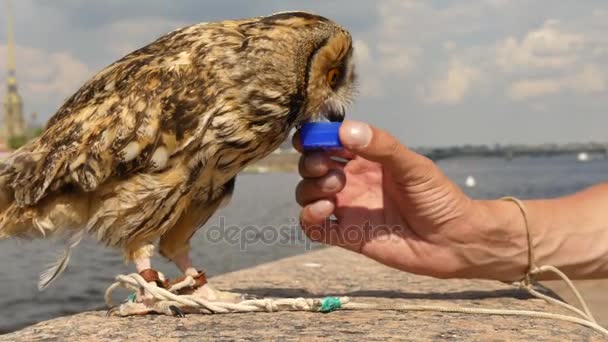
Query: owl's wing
128	119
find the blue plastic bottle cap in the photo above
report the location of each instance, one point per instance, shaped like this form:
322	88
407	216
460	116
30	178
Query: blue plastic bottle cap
320	135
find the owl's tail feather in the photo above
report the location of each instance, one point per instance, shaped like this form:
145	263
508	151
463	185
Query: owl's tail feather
5	202
55	269
6	230
17	222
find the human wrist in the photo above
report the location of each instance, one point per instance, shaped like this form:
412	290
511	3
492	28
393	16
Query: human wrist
502	226
498	247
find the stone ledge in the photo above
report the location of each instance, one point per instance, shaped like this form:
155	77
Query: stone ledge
337	272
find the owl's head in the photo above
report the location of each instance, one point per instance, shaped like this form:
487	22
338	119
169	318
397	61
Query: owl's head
313	56
329	73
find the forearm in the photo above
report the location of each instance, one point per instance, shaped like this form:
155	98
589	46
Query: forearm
570	232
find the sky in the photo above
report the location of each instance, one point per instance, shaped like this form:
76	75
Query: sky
433	73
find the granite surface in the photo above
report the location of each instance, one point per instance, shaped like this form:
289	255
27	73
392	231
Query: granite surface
593	291
334	272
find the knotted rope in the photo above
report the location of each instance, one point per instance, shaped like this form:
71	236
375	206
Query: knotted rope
166	298
533	270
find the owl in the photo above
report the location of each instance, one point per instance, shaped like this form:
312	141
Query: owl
148	149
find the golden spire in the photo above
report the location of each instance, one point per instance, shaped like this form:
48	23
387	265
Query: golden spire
13	124
10	37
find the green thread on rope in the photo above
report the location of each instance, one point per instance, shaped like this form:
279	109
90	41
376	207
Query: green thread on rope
131	297
329	304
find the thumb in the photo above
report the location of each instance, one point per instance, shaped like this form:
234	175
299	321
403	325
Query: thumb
379	146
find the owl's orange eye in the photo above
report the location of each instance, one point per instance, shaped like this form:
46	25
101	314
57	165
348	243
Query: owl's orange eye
332	76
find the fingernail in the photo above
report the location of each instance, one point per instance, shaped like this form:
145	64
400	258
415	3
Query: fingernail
321	208
357	134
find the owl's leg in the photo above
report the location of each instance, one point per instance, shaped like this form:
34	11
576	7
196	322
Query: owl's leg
141	257
175	246
184	263
203	289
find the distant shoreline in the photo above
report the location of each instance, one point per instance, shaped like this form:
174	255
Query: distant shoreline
287	160
515	151
279	161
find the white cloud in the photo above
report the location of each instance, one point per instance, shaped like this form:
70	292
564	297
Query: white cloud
395	58
547	47
454	86
410	35
381	63
590	79
126	35
524	89
369	85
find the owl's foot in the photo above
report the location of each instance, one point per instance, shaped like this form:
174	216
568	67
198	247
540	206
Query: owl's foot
201	288
153	278
212	294
182	286
143	303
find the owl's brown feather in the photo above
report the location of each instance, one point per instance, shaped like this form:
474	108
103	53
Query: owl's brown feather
152	142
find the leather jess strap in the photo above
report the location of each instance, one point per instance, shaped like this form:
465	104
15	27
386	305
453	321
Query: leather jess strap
151	275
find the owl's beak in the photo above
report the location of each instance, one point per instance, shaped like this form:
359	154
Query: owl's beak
335	114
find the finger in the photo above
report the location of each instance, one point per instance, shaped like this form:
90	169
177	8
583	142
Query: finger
315	222
327	232
317	212
295	141
313	189
379	146
317	164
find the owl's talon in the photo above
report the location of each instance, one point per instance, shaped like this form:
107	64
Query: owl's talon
177	312
112	310
247	296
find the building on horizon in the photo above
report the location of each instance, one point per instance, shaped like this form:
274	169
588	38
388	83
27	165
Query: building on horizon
13	122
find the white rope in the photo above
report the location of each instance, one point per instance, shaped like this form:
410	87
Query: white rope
484	311
166	298
546	269
136	282
187	282
534	270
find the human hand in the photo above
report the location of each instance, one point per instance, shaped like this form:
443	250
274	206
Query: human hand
397	207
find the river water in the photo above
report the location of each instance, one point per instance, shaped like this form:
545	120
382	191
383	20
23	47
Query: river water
263	206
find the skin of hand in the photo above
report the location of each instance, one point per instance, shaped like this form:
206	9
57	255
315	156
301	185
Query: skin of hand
378	198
